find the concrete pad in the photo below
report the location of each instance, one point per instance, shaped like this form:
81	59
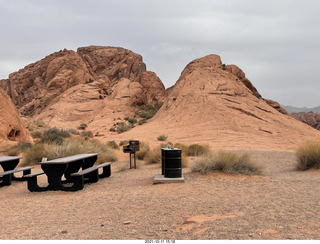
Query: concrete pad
158	178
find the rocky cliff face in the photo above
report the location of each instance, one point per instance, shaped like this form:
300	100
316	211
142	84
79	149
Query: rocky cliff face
217	105
40	85
11	126
309	118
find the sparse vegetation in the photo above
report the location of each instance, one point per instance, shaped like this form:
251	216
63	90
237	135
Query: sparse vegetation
55	136
125	142
123	127
308	156
153	156
87	133
82	126
197	150
131	120
227	162
113	144
68	147
143	150
148	111
162	137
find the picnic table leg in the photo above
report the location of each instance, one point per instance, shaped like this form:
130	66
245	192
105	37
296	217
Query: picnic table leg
54	173
6	180
25	172
72	168
89	162
106	172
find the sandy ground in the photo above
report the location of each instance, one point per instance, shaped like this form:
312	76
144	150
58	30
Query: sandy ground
281	204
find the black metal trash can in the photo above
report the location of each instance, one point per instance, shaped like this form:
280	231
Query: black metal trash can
171	162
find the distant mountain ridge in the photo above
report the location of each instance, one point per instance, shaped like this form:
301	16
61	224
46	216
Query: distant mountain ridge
292	109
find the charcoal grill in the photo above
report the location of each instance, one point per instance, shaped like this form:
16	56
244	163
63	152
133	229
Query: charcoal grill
132	148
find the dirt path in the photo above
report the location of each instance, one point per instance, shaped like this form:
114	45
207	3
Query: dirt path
282	204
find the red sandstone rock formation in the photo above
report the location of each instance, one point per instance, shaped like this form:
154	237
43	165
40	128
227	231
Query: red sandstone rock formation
309	118
40	84
11	126
216	105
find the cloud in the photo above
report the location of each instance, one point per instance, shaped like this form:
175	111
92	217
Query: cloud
274	42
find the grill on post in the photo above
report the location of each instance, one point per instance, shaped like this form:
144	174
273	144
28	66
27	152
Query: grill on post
132	148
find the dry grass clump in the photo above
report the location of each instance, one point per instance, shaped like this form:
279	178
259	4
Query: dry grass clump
197	150
308	156
162	137
143	150
227	162
153	156
68	147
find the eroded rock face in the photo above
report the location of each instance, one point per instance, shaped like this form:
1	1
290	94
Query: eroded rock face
309	118
216	105
98	69
34	87
11	126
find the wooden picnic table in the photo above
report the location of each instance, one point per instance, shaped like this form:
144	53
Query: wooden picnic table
69	168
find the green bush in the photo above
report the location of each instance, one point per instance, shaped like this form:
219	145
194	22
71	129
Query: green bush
148	111
123	127
308	156
227	162
131	120
162	137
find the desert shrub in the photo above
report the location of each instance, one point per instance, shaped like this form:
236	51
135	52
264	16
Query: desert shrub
82	126
148	111
153	156
125	142
14	151
68	147
123	127
87	134
54	136
162	137
143	150
181	146
73	131
36	125
184	160
113	144
227	162
36	134
197	150
131	120
141	122
308	156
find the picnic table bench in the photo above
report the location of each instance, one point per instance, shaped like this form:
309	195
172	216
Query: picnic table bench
9	164
69	168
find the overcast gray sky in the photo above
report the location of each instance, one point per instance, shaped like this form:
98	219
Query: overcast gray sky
275	42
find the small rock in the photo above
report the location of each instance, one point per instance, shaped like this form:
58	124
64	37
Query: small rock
64	232
250	235
126	222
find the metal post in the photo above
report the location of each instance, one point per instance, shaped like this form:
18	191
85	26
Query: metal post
130	160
